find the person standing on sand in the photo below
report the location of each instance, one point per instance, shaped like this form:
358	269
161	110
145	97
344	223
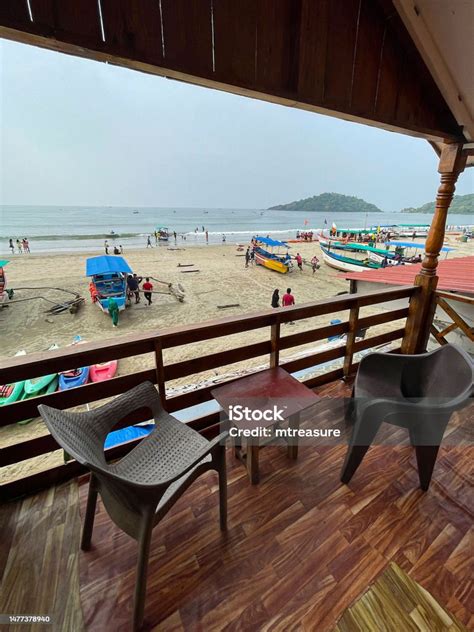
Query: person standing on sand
288	300
207	237
276	299
315	263
26	245
121	249
106	247
19	246
299	261
148	242
247	257
223	239
147	289
113	311
11	246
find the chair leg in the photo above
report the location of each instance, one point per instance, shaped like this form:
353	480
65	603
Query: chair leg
222	471
426	437
90	514
426	459
362	436
144	541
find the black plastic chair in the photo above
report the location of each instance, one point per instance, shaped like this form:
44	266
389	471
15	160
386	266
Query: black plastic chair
417	392
141	488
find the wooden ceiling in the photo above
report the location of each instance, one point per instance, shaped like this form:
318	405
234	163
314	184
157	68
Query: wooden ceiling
352	59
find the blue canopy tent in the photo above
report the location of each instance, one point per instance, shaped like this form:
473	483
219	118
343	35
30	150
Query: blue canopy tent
108	280
106	264
271	242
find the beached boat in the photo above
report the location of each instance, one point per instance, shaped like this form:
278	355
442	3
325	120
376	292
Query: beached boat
10	393
270	259
103	371
347	264
108	279
74	377
43	384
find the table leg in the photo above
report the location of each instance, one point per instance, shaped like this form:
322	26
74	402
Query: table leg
252	461
294	424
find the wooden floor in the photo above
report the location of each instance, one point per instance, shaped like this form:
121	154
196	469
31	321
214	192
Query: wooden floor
300	548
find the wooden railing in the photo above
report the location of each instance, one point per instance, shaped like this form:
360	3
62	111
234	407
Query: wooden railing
458	322
35	365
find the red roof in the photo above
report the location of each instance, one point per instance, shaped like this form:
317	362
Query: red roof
456	275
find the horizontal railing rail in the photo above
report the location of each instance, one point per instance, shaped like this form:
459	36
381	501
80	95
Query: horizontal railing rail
34	365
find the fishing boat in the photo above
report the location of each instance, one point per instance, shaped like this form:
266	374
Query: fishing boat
4	294
162	233
10	393
108	279
412	230
347	264
270	259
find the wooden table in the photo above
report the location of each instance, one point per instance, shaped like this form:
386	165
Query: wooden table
261	392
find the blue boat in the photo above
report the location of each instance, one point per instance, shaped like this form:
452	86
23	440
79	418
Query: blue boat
108	279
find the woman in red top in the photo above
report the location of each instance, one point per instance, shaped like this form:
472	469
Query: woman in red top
147	288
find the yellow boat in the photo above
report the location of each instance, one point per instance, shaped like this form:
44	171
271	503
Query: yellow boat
272	261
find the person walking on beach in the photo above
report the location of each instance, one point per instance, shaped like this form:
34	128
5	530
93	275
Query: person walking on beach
133	287
19	246
26	245
299	261
113	311
207	237
106	247
288	299
148	242
247	257
174	235
11	246
223	239
147	289
276	298
121	249
315	263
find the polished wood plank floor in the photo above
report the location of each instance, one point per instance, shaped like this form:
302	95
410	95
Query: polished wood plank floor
300	547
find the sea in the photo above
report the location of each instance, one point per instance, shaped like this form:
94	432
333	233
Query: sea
84	228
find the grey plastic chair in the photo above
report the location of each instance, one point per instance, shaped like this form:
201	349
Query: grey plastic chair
417	392
138	490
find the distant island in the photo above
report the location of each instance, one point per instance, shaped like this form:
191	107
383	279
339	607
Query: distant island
329	203
461	205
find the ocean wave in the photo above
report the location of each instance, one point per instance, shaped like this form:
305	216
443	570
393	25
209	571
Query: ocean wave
77	237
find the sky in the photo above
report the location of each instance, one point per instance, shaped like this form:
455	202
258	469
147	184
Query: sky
79	132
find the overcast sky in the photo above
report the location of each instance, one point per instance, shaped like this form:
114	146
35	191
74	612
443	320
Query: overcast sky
79	132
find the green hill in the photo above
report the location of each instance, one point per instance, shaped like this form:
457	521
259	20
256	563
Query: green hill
461	205
329	203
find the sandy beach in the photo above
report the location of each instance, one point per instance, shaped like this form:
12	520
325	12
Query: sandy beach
222	279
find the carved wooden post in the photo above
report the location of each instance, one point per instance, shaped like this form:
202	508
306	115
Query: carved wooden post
422	305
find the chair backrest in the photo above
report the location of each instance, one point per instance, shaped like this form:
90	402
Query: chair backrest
443	374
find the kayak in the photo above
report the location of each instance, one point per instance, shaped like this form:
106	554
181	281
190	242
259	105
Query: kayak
103	371
73	378
10	393
127	434
40	385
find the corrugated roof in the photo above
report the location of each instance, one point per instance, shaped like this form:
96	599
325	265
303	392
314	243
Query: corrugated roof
455	275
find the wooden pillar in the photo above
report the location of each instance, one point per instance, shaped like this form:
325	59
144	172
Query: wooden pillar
422	306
